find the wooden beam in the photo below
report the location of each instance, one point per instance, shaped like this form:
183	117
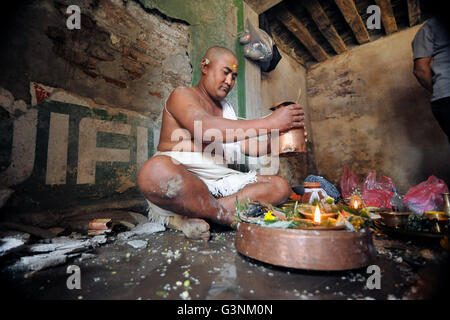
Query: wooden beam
413	12
301	33
387	16
351	15
260	6
288	50
325	26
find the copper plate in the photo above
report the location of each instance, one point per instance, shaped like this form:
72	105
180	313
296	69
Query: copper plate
327	250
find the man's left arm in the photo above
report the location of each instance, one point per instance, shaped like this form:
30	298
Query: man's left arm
423	45
423	73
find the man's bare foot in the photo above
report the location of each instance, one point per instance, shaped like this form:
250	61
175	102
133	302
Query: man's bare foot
193	228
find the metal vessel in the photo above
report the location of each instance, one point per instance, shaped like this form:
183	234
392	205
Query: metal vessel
291	142
327	250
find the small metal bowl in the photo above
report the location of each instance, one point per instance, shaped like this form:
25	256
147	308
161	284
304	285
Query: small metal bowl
440	219
439	215
395	219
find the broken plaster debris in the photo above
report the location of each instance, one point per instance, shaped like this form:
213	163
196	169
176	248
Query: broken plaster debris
138	244
143	229
7	244
55	253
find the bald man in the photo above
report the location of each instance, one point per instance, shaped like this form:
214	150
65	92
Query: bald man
184	182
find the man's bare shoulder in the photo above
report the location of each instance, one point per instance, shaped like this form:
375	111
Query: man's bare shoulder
183	93
182	97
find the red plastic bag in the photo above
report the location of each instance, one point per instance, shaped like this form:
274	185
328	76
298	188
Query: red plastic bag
426	196
378	198
377	193
349	182
371	183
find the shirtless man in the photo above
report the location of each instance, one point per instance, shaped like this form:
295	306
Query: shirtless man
190	198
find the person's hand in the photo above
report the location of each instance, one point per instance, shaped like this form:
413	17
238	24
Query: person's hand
288	117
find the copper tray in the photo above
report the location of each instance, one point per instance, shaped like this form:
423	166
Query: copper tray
327	250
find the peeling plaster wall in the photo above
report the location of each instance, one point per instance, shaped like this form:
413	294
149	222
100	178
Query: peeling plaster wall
80	109
283	83
367	110
122	56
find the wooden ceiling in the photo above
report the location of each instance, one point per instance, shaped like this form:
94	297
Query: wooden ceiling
312	31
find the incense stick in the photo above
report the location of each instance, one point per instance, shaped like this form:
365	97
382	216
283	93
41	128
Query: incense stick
299	95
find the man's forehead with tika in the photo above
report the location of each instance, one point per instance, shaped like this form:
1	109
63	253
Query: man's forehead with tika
223	56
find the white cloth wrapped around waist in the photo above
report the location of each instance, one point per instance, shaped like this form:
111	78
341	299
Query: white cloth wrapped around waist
220	180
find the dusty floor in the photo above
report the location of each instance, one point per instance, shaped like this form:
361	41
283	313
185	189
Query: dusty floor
216	271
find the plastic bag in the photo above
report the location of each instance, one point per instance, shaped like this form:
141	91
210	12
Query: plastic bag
377	193
349	182
257	43
378	198
371	183
426	196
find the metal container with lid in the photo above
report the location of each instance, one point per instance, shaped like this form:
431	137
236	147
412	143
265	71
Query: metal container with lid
292	142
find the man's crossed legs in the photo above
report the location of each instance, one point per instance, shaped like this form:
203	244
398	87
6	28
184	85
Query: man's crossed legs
168	184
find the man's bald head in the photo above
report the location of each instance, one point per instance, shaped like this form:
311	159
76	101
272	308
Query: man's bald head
219	72
217	52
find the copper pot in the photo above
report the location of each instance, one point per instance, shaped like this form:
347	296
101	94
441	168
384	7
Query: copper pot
325	250
291	142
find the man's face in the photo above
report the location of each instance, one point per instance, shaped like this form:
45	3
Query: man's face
221	75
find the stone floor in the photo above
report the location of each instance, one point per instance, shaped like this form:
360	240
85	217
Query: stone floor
173	267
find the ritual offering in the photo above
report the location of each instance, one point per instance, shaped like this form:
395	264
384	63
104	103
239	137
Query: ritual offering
432	224
313	192
319	236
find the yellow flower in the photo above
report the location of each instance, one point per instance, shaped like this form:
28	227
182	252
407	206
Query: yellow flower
269	216
329	200
357	223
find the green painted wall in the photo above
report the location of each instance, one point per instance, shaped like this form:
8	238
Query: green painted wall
217	22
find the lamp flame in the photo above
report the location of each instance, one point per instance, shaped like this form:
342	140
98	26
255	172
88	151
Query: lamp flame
317	215
355	204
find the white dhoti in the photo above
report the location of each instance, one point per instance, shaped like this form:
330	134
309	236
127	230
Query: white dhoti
220	180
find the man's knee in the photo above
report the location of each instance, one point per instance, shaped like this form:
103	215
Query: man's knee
279	187
160	177
283	187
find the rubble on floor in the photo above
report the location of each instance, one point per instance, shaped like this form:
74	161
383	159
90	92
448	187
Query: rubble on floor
25	248
144	263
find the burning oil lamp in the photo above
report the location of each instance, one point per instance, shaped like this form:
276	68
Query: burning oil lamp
356	202
317	216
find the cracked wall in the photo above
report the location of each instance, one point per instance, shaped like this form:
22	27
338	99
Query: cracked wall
368	111
80	109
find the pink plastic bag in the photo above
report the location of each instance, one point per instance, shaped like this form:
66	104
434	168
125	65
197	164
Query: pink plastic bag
371	183
377	193
426	196
349	182
378	198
